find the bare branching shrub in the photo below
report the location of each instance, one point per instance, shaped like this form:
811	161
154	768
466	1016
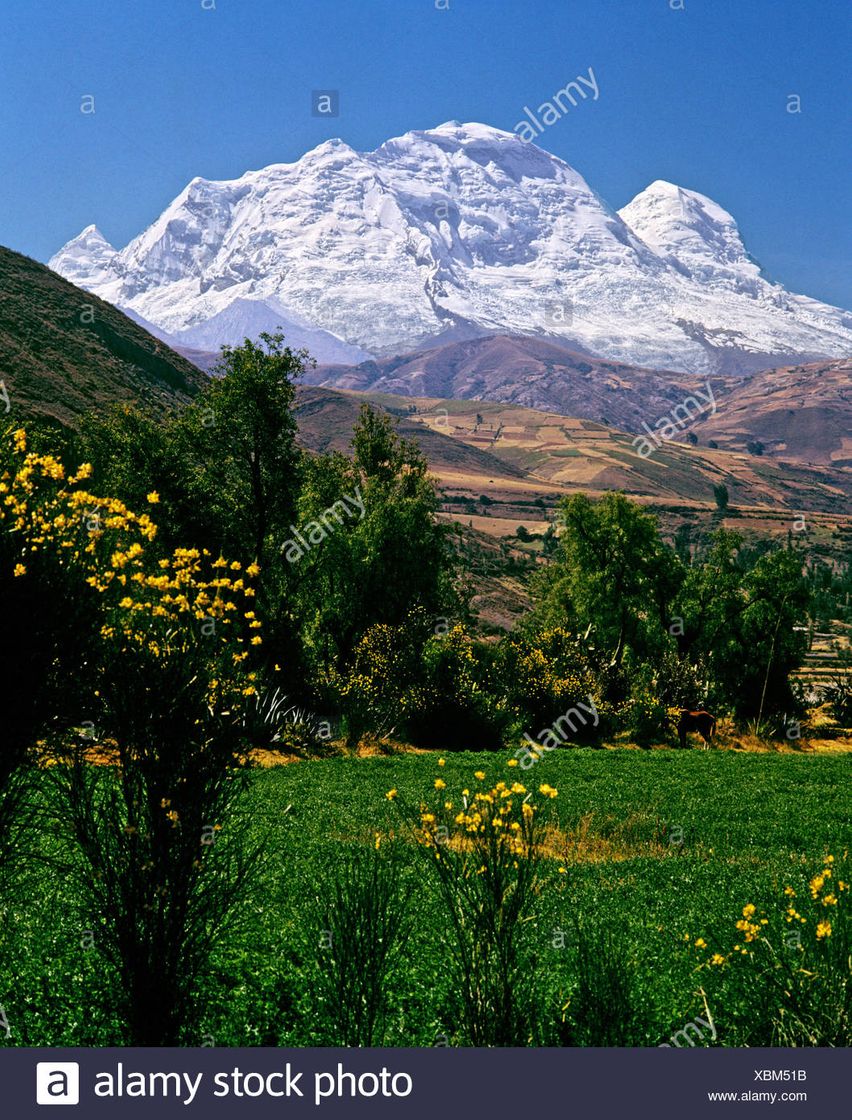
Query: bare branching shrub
362	923
602	1008
157	854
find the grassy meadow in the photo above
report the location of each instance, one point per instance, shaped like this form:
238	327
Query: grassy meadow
648	851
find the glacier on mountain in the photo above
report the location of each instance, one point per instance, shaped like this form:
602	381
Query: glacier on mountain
454	232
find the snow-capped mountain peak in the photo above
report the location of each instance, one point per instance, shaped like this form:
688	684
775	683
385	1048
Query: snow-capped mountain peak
692	233
86	259
450	232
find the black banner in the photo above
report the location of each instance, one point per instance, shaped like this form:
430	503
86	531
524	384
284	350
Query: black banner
663	1082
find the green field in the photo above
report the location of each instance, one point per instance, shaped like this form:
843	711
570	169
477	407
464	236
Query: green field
655	846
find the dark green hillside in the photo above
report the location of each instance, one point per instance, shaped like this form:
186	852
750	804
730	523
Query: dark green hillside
63	351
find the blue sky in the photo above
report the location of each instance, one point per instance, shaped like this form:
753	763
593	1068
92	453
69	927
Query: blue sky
693	91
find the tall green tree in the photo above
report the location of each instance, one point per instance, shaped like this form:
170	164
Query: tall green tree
383	555
226	467
240	435
611	576
720	495
226	471
710	600
778	600
739	615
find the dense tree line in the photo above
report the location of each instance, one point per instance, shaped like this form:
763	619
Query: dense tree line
369	625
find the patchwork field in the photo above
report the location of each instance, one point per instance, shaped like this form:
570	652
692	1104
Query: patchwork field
501	466
583	454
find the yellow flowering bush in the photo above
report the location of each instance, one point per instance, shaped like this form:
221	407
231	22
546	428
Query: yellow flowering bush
545	675
483	844
47	512
163	682
792	963
382	687
50	531
421	685
189	600
43	508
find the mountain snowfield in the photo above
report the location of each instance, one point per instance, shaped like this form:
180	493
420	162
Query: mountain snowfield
451	233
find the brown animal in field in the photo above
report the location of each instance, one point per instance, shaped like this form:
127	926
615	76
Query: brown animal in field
699	721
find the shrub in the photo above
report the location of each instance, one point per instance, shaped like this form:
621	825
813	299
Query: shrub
602	1009
429	687
53	536
155	833
384	684
838	694
361	925
658	691
456	707
483	849
545	675
645	717
677	682
789	967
